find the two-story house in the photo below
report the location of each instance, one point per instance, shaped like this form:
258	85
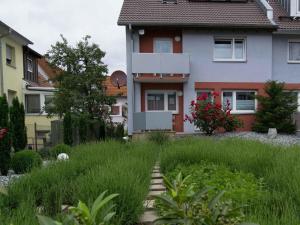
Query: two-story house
11	62
178	49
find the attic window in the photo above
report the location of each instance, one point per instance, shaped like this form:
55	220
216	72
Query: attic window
169	1
219	1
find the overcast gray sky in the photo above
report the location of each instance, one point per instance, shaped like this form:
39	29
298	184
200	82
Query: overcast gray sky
42	21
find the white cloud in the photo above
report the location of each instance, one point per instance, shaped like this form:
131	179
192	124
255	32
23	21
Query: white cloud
43	21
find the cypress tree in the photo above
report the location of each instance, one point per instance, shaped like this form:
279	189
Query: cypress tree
5	146
17	125
68	132
276	109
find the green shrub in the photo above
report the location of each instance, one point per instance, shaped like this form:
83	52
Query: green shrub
119	134
158	137
58	149
45	153
94	168
68	129
276	109
25	161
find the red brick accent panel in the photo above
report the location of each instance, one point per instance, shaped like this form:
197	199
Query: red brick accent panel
248	119
178	118
147	40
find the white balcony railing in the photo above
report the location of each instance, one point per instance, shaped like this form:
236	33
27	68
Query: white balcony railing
161	63
143	121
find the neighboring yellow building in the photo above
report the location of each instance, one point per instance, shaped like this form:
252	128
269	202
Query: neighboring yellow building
11	62
26	75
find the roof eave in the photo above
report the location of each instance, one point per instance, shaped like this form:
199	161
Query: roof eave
19	37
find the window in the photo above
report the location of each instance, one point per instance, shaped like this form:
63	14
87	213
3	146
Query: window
48	103
233	49
10	55
162	101
29	65
32	104
115	110
163	45
240	101
294	51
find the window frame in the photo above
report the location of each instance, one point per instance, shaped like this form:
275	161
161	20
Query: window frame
234	110
40	103
165	93
163	39
288	50
13	56
29	59
233	58
120	110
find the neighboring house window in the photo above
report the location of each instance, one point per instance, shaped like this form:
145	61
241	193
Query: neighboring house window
10	55
48	103
163	45
29	65
294	51
116	110
233	49
240	101
162	101
32	104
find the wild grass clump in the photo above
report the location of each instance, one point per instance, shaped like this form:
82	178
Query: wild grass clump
278	166
92	169
158	137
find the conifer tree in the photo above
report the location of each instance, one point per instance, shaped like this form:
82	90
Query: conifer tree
276	109
5	146
68	131
17	125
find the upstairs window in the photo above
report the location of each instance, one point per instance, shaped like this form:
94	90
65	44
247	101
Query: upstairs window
32	104
294	51
29	65
163	45
10	55
232	49
116	110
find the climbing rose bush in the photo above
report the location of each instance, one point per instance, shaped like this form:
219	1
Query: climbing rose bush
207	115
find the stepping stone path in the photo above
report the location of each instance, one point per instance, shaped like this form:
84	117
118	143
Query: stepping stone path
156	188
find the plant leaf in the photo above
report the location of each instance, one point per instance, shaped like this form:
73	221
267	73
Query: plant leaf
99	204
43	220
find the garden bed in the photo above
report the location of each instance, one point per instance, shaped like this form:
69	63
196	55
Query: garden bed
93	168
271	172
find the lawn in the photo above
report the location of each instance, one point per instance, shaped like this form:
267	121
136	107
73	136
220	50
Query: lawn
92	168
269	173
264	177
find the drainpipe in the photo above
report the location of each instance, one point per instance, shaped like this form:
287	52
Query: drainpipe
1	63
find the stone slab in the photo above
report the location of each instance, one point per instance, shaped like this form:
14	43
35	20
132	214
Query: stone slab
149	204
148	217
152	194
157	181
157	187
156	175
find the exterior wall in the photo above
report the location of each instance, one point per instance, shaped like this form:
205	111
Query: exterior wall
177	118
13	76
199	44
282	70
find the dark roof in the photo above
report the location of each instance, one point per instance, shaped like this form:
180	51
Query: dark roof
200	14
282	18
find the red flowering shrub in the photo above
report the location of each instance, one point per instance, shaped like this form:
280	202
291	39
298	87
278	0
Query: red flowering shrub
207	115
3	132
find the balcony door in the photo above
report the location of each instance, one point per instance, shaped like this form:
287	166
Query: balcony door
163	45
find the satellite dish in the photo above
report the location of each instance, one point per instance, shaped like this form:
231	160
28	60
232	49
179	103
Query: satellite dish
118	79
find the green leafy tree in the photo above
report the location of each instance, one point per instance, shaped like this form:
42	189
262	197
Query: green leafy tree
80	83
276	109
68	129
17	125
5	146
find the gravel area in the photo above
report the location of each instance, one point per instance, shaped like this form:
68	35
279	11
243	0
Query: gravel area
6	180
284	140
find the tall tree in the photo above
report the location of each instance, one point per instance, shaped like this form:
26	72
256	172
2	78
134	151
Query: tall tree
17	125
276	109
68	129
5	146
80	83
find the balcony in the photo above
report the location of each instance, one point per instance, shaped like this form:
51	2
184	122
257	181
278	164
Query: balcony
147	121
161	63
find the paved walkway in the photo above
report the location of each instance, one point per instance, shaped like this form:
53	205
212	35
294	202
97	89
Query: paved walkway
156	188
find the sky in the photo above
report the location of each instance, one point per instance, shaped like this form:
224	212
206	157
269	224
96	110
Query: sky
42	22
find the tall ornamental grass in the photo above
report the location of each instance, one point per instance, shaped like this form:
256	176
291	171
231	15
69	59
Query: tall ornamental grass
278	166
92	169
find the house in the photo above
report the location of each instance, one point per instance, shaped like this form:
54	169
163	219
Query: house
38	90
11	62
178	49
118	110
